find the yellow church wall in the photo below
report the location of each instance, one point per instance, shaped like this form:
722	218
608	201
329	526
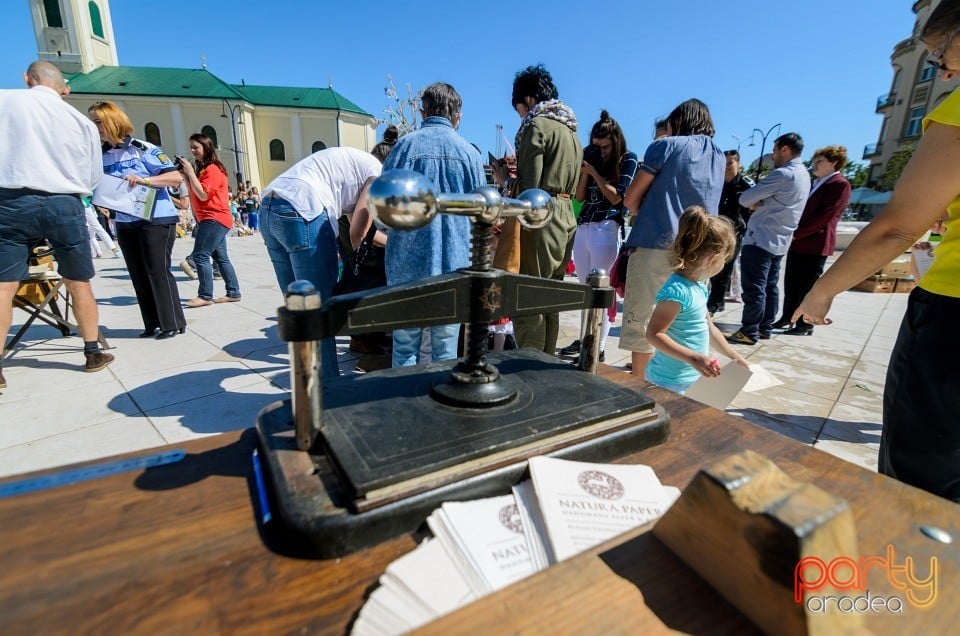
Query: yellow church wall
258	125
354	134
269	124
320	127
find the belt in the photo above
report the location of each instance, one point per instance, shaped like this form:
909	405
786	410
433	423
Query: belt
22	192
561	195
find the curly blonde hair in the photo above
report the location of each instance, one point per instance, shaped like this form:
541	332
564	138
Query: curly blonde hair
700	236
836	155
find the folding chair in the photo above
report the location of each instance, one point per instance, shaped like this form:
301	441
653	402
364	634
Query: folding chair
40	294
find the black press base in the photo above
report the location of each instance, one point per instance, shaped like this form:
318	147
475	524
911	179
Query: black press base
390	452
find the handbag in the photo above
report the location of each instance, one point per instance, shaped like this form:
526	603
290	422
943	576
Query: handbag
365	269
618	271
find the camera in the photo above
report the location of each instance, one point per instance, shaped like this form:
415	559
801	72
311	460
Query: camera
593	156
176	161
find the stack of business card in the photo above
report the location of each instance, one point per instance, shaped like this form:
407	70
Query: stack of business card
416	588
573	506
486	541
484	545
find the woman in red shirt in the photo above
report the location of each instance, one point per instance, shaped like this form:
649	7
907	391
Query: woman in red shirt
209	195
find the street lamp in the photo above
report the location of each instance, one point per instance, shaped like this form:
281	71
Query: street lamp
739	142
763	142
235	118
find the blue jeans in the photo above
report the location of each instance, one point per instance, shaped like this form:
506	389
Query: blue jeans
406	344
302	250
760	279
211	242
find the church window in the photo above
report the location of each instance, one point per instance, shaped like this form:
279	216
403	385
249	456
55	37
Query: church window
318	146
276	150
51	9
96	22
152	132
211	132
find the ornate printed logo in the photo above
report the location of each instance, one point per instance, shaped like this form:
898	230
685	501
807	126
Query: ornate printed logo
600	484
510	518
492	298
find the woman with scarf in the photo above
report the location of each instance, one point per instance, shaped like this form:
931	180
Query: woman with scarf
549	155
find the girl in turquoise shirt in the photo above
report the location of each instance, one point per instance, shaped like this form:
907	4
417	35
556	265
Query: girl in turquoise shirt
680	328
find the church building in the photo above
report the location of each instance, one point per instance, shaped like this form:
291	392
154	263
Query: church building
260	131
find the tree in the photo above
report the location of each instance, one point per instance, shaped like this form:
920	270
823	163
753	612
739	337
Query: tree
895	166
402	113
856	173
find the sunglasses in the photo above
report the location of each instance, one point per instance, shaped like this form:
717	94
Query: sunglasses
936	58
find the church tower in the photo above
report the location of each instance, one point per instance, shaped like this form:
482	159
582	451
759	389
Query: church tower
75	35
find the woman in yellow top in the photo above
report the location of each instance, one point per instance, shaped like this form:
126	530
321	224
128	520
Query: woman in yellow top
920	443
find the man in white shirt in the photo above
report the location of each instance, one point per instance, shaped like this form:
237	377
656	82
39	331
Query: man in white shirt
299	216
58	160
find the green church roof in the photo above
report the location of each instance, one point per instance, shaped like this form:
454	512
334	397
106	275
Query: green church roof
297	97
200	83
153	82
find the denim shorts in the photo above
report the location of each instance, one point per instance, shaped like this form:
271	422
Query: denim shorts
29	216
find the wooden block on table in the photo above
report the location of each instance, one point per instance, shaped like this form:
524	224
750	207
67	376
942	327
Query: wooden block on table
745	526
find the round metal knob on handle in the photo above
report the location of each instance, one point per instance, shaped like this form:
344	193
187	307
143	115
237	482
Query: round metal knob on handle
540	210
402	200
405	200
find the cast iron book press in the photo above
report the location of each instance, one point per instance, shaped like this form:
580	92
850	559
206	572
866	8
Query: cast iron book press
352	461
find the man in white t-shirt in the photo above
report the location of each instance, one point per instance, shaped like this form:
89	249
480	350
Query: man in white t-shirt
57	160
299	212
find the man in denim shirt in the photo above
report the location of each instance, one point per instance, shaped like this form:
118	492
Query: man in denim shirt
454	166
777	202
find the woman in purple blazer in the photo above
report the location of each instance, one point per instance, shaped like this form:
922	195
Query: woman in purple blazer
816	236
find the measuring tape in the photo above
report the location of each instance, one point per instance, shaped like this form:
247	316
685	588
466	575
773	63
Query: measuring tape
76	475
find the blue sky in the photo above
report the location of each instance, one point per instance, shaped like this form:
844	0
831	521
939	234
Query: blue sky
817	67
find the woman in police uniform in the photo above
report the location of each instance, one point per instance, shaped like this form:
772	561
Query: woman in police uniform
146	244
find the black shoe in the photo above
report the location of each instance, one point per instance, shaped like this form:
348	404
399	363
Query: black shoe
799	331
764	335
783	323
97	361
510	343
738	337
602	356
715	309
170	333
148	333
571	349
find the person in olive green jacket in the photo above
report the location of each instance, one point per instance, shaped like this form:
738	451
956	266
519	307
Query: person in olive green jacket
549	155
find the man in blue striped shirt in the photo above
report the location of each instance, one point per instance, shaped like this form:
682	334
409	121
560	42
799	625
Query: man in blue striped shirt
777	202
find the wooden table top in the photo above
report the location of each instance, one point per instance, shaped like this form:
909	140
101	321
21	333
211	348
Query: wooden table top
177	549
